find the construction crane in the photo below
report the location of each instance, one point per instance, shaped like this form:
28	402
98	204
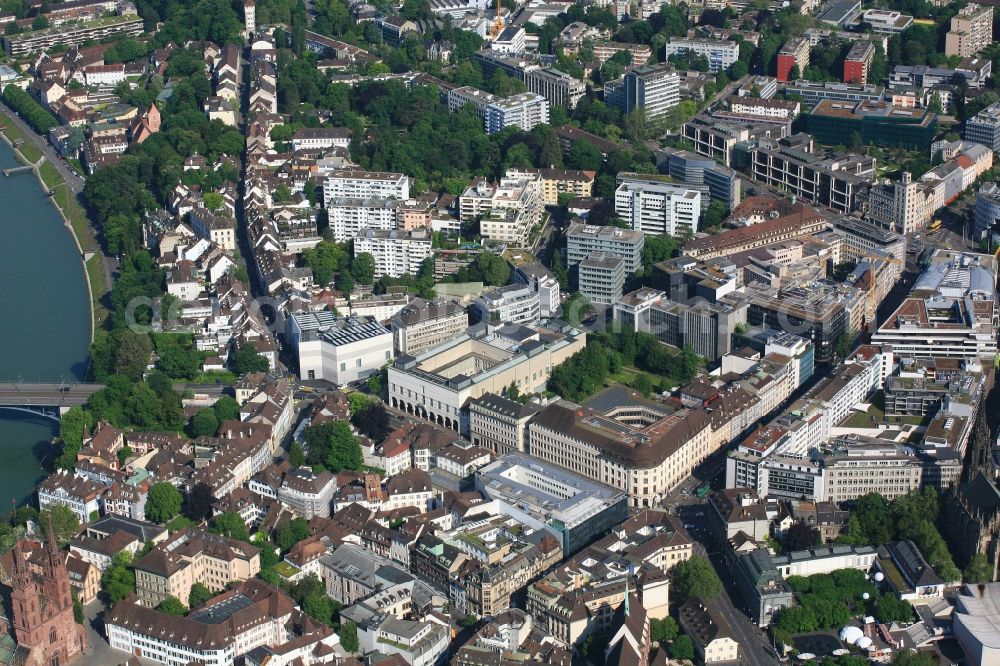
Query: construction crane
498	25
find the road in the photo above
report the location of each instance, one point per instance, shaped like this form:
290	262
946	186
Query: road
46	395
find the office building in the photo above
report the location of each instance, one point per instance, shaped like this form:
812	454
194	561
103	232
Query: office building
984	127
574	509
423	324
192	556
559	88
499	424
971	30
655	88
338	349
721	54
765	87
858	62
840	13
798	221
951	310
886	22
583	240
975	71
986	214
601	278
653	206
903	206
977	622
861	239
815	311
396	252
793	54
438	383
718	140
510	40
714	181
812	93
874	122
836	181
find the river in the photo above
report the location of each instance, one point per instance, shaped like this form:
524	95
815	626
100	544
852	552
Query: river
44	319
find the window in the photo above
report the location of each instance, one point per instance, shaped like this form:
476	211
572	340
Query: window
359	362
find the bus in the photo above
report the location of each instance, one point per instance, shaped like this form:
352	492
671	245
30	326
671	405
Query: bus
703	491
935	225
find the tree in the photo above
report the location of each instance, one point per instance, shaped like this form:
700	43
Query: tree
345	452
663	630
230	524
64	522
118	580
372	421
979	570
889	608
226	409
247	359
584	155
695	577
163	502
198	595
910	657
348	634
205	423
172	606
199	502
739	69
363	268
296	456
682	648
794	74
934	106
801	536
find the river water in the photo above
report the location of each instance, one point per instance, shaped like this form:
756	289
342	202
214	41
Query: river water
44	320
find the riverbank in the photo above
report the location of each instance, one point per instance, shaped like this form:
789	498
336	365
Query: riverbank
74	218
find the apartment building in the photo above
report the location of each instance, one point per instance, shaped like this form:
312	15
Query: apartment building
641	53
793	54
714	640
508	210
601	278
218	227
559	88
764	108
951	310
654	88
524	110
564	181
971	30
799	221
423	324
544	283
338	349
653	206
307	493
984	127
396	252
858	62
79	494
366	185
438	383
721	54
510	304
583	240
192	556
73	34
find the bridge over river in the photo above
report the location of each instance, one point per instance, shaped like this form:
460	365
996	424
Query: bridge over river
50	400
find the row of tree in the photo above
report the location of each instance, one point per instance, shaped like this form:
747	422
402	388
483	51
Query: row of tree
30	111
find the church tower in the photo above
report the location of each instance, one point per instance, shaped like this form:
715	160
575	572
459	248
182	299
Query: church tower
25	599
